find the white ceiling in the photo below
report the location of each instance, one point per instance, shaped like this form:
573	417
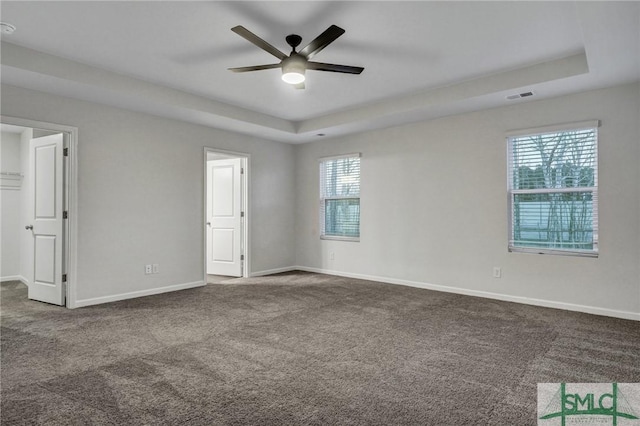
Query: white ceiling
422	59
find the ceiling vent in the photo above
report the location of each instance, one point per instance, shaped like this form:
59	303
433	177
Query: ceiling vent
7	28
520	95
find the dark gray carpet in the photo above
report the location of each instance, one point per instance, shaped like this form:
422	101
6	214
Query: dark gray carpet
299	349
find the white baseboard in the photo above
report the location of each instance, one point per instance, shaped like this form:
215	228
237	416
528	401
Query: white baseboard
488	295
274	271
134	294
14	278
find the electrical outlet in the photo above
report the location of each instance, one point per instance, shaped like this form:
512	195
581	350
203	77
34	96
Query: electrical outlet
332	255
155	268
148	269
497	272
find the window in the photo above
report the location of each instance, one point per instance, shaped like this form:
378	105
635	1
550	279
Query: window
340	197
553	190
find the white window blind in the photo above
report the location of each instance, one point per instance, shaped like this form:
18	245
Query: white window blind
340	197
553	190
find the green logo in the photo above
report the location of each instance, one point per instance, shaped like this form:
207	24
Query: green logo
588	401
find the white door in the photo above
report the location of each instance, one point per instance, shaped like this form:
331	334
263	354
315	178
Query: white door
224	217
45	218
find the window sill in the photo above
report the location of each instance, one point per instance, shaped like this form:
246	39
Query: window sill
532	250
339	238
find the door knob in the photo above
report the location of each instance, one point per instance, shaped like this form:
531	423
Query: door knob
208	223
29	227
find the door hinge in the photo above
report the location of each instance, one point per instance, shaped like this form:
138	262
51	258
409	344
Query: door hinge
65	214
241	170
64	278
241	214
66	152
242	257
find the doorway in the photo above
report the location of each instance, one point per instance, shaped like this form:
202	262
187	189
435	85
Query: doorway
44	195
226	196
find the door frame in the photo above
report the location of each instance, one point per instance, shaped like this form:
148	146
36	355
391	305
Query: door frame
246	206
70	197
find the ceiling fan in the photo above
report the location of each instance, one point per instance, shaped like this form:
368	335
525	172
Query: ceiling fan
295	64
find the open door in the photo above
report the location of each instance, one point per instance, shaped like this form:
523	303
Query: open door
46	218
224	217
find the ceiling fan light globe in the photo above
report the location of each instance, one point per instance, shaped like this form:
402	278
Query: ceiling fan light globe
294	77
293	69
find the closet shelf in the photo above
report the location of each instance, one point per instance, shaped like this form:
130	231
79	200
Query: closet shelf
10	180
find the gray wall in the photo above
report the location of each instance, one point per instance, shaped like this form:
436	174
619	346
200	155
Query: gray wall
140	190
141	183
418	181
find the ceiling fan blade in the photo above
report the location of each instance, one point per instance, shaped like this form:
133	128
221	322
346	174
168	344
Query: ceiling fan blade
254	68
299	85
319	66
245	33
322	41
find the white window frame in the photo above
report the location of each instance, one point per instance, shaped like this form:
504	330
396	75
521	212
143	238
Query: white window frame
323	198
590	124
